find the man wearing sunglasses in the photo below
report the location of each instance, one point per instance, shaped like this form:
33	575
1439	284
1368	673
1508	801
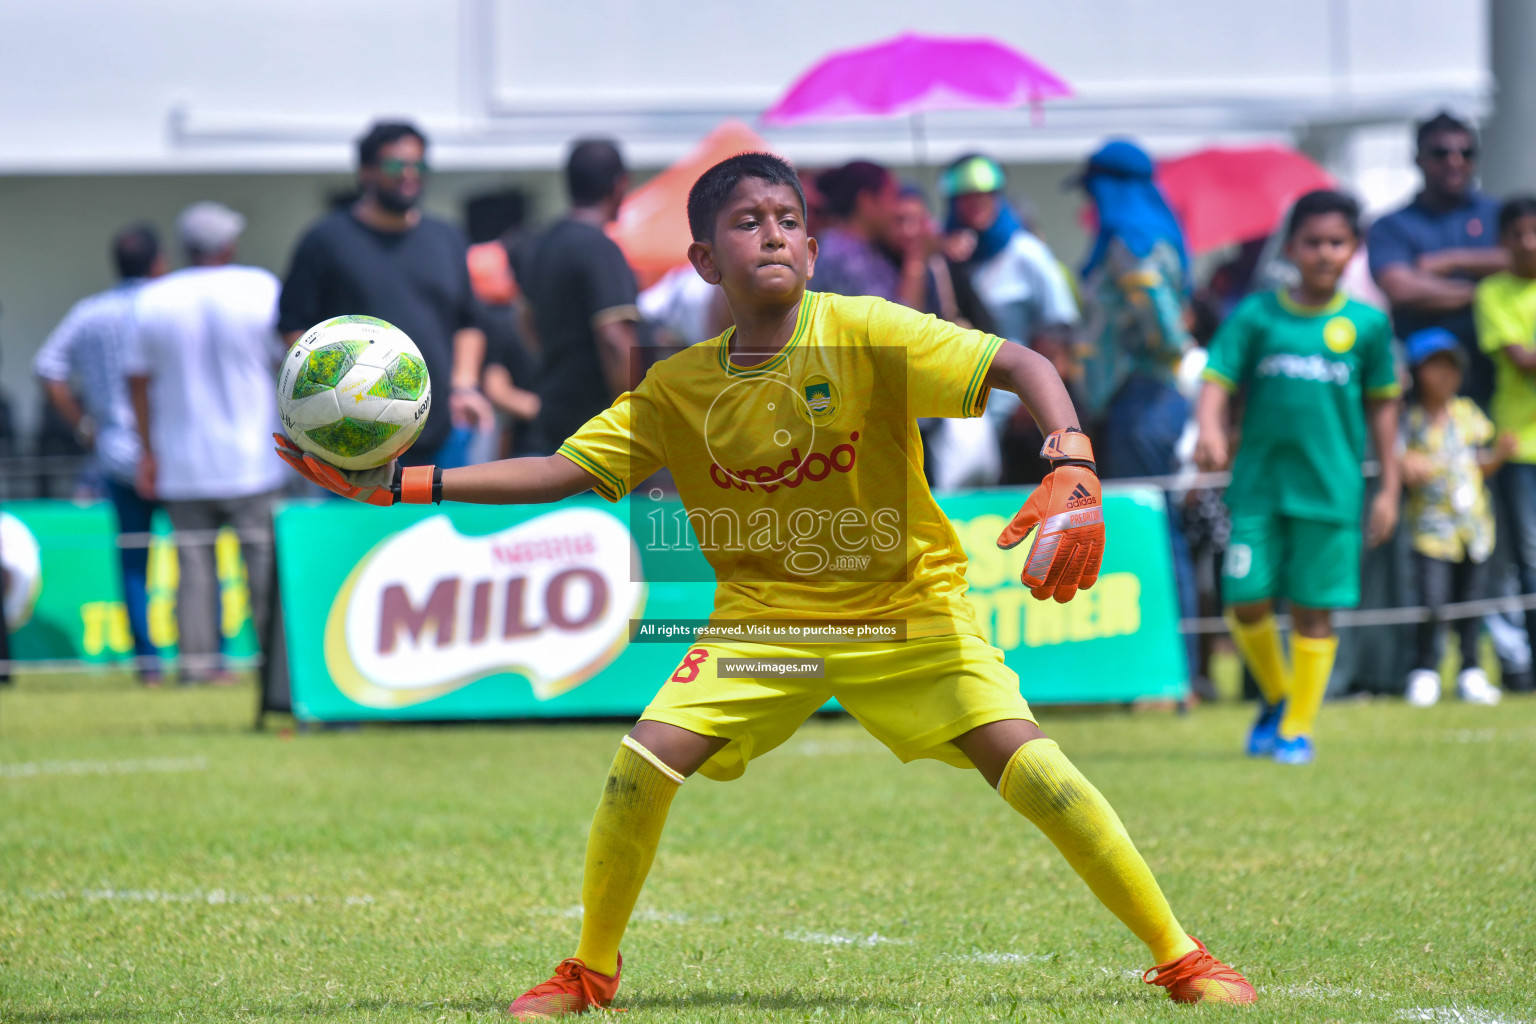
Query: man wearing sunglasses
382	256
1429	256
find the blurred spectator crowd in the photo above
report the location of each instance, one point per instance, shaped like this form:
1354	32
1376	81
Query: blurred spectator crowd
166	377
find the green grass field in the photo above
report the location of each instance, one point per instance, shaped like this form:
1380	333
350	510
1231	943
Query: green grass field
160	861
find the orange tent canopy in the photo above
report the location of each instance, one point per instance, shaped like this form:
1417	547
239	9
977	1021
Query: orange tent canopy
652	226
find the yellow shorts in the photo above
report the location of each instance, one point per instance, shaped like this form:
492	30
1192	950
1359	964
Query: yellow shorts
915	697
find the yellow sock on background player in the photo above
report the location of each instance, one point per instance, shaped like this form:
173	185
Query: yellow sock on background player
1263	652
1311	666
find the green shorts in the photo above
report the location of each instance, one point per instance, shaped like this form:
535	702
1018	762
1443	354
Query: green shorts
1309	562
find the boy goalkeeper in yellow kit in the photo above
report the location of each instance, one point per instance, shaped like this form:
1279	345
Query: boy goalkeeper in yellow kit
793	442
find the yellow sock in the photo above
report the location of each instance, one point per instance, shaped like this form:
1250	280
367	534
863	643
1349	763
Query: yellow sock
1041	784
620	848
1312	661
1259	644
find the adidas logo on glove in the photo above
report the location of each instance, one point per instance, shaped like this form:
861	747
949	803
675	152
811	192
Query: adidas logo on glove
1080	497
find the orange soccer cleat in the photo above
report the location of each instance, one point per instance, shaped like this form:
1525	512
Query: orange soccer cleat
575	988
1198	977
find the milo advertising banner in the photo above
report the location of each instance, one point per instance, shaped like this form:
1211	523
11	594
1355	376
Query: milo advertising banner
466	612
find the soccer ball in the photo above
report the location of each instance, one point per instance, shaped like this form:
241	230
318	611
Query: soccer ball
353	392
21	558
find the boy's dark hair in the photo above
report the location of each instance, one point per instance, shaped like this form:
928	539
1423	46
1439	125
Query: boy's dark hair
592	170
1442	123
135	249
715	186
381	134
842	186
1514	208
1321	203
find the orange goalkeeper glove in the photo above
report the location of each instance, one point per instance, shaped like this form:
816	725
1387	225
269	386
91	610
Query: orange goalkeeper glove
386	485
1068	507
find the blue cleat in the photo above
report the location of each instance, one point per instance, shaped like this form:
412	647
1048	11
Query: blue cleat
1266	729
1296	750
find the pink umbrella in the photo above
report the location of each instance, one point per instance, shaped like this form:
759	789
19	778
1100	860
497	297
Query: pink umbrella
912	74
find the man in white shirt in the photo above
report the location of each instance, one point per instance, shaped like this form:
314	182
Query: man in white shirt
200	371
86	350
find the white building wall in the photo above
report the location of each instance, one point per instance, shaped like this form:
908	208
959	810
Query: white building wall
89	86
115	112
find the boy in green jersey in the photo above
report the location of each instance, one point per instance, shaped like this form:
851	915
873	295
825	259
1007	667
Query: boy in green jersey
1316	367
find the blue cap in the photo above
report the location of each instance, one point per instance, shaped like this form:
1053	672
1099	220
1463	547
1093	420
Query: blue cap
1118	158
1431	341
1121	158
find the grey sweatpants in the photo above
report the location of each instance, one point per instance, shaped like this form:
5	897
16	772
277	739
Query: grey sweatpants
198	605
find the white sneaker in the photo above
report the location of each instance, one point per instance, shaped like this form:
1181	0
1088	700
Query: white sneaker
1423	687
1473	686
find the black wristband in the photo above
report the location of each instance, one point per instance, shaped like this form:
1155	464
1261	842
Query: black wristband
1092	468
437	484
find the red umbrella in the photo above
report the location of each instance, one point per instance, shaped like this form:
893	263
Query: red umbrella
1222	196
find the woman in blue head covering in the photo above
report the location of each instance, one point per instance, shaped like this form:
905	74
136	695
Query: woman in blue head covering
1137	280
1137	277
1130	206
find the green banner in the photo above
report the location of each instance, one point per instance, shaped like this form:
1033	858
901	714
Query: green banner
1114	643
467	612
65	593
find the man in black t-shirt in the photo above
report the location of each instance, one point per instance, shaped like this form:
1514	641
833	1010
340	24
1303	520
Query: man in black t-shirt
579	296
383	257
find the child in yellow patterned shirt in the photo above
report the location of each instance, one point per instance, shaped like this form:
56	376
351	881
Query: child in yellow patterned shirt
1448	512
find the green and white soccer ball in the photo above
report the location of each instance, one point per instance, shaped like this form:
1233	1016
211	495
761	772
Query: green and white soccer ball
353	392
22	560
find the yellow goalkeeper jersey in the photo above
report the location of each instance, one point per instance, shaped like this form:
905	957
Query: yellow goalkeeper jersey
801	475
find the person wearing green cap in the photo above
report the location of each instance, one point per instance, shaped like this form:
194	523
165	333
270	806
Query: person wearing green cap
1017	280
1014	274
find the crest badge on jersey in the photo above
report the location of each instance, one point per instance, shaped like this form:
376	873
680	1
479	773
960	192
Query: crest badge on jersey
1339	334
820	398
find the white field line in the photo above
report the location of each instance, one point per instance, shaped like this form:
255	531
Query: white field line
999	958
844	939
1473	735
1304	991
1457	1015
1485	735
650	915
1119	972
1310	990
32	769
211	897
